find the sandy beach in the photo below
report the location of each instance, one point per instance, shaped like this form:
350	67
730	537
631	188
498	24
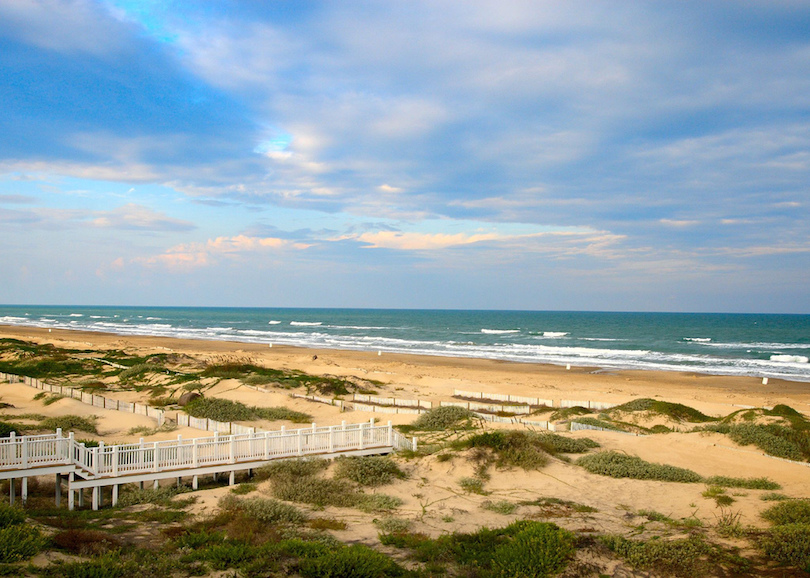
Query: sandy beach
433	500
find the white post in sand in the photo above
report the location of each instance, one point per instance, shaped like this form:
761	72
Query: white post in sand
764	381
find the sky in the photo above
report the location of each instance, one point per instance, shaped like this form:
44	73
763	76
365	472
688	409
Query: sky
539	155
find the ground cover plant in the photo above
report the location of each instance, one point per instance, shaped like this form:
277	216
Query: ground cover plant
674	411
618	465
691	556
443	418
369	471
18	540
299	481
523	548
227	410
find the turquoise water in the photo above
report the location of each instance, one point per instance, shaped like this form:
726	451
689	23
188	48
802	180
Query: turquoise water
725	344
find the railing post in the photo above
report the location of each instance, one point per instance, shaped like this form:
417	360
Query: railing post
24	451
331	439
71	457
194	454
231	450
100	462
154	456
266	445
116	451
362	436
300	442
94	467
390	433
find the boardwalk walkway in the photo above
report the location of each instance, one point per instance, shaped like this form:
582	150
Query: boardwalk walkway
104	466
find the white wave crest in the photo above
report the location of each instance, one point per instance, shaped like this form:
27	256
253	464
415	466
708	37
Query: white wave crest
499	331
790	358
698	339
273	322
307	323
555	333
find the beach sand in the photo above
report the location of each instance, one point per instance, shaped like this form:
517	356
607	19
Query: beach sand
433	499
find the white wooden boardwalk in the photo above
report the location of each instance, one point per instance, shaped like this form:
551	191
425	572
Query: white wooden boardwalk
112	465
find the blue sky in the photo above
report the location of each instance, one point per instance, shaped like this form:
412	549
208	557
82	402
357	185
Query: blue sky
494	155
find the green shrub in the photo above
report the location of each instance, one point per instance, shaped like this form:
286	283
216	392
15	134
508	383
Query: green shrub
609	425
526	450
162	496
682	557
227	410
773	497
277	413
445	417
244	488
789	544
569	412
19	542
539	549
263	509
371	503
555	443
10	516
617	465
675	411
745	483
392	525
292	469
788	512
317	491
70	423
6	429
138	371
473	485
356	561
368	470
773	439
500	507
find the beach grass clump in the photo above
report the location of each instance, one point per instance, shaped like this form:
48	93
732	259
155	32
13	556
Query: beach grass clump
526	450
7	428
227	410
444	418
290	469
473	485
674	411
774	497
743	483
139	371
369	471
569	412
557	507
162	496
285	378
788	512
523	548
618	465
773	439
265	510
601	423
297	481
504	507
70	423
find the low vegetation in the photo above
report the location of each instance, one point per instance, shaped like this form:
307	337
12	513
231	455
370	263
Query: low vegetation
227	410
618	465
523	548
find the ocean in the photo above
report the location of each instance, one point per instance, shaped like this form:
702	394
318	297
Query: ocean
774	346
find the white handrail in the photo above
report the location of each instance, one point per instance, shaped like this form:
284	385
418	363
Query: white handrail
24	452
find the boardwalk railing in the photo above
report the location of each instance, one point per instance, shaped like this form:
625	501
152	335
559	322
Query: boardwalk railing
30	452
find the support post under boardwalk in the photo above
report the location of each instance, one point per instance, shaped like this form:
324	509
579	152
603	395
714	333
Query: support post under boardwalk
232	478
114	499
24	490
58	497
